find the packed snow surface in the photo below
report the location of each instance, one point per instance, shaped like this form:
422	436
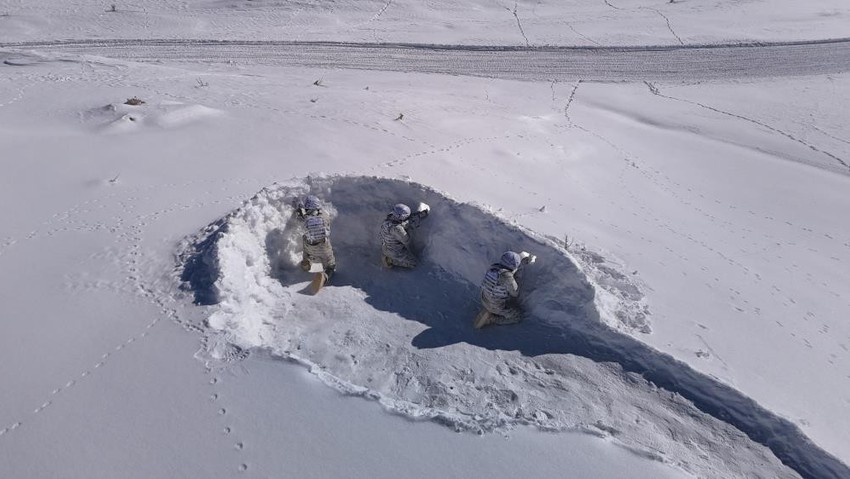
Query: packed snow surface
567	22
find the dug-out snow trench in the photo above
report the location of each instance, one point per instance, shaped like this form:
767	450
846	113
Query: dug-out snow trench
405	338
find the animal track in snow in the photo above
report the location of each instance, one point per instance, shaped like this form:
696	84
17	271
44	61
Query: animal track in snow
222	411
10	428
437	150
57	392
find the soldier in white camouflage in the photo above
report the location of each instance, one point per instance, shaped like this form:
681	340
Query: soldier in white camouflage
499	290
316	239
396	239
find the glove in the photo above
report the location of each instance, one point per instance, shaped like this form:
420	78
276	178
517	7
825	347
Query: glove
298	205
422	210
417	216
527	258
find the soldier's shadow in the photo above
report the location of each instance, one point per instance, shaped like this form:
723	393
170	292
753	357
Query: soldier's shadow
429	295
447	305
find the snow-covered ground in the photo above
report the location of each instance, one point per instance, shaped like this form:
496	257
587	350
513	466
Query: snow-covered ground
687	314
476	22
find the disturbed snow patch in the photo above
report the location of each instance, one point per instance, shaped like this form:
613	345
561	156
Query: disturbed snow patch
125	118
619	294
405	339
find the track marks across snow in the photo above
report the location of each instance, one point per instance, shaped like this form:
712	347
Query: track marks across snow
83	375
218	404
841	164
628	63
779	300
128	231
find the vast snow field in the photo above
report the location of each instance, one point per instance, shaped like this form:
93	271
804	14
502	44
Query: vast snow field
687	315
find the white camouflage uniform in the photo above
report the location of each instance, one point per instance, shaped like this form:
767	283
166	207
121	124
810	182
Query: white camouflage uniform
499	291
317	239
395	242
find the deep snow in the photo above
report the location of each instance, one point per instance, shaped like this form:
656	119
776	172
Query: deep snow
354	335
720	203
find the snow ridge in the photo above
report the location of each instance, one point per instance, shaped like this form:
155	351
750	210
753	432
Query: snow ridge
404	338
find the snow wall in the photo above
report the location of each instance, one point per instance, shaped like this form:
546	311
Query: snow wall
405	337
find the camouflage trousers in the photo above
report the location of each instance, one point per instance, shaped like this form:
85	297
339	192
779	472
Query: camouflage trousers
400	256
319	253
505	311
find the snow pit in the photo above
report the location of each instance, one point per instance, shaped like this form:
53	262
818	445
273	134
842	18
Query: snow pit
405	338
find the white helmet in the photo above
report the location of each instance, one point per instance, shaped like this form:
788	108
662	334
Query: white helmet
401	212
510	260
312	203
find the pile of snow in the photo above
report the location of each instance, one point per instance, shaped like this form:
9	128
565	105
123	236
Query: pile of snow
405	338
135	114
620	295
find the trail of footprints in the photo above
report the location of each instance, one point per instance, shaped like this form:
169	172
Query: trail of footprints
21	91
68	221
664	182
251	102
64	222
221	411
667	184
132	235
734	296
647	212
435	150
71	383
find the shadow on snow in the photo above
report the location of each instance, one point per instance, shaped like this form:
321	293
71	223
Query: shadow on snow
456	244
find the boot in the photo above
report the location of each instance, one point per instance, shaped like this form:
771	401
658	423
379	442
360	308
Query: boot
484	318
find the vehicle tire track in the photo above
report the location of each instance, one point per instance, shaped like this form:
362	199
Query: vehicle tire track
545	63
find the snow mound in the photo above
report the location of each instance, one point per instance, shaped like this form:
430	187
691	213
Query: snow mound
16	59
619	294
125	118
405	338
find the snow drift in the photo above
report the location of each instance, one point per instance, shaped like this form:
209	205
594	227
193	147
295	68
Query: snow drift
405	338
119	118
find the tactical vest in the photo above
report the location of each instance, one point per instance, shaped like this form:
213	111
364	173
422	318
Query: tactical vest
386	234
491	285
317	231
